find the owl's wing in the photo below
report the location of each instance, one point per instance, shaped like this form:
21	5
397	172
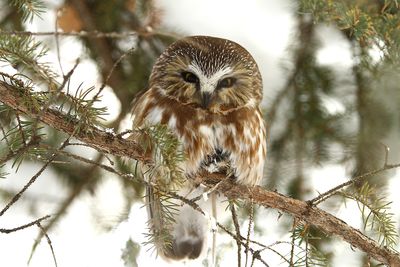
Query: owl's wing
138	97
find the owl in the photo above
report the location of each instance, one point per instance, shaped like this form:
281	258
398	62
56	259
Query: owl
207	92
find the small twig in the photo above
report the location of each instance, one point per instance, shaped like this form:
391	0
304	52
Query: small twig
86	145
322	197
251	218
253	258
292	243
89	161
8	231
242	239
32	180
103	85
237	229
48	242
31	197
74	193
306	250
269	247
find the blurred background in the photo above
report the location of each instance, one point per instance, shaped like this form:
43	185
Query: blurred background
331	101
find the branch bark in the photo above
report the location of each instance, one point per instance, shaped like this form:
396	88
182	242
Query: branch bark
109	143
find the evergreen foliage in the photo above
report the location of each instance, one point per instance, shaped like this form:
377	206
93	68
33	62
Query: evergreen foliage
303	132
29	8
303	252
376	214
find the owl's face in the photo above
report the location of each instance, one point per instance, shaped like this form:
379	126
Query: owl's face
209	73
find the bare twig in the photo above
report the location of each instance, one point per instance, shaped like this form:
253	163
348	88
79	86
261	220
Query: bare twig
322	197
237	229
90	146
48	242
72	196
255	253
11	230
31	181
292	243
116	63
251	218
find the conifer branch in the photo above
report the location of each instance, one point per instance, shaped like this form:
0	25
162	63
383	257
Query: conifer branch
107	142
102	140
29	8
312	215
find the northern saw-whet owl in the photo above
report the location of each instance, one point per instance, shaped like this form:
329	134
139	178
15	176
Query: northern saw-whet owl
207	91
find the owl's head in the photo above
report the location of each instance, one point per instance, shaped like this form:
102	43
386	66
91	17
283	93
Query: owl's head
210	73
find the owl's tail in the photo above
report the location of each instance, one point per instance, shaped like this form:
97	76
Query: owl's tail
177	230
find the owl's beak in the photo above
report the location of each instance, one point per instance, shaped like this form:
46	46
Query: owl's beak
205	99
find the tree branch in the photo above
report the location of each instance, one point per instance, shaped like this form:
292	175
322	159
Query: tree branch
103	141
310	214
110	143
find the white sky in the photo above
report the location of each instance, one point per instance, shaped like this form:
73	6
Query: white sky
264	27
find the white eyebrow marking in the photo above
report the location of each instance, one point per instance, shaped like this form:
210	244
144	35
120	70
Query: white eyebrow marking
208	83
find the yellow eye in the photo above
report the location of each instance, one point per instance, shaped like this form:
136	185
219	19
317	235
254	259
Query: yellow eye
189	77
227	82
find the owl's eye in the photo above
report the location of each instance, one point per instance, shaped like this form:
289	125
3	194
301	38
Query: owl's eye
227	82
189	77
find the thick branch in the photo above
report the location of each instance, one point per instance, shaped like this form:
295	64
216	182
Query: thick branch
110	143
310	214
